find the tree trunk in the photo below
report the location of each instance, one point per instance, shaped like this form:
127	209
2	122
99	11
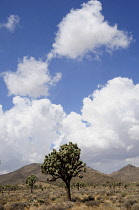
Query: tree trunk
68	190
31	189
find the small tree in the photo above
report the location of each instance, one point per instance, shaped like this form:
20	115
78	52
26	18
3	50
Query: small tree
64	164
79	185
31	181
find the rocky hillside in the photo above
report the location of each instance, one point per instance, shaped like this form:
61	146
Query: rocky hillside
128	173
19	176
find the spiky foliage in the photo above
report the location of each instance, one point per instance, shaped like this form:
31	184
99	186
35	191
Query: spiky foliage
64	164
31	181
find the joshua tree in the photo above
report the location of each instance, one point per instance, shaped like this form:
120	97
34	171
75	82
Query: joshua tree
31	181
64	164
79	185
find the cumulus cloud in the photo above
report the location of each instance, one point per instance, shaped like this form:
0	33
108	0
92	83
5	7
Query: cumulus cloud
32	78
11	24
27	131
106	130
85	30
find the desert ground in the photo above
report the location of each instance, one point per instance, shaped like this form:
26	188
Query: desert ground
109	196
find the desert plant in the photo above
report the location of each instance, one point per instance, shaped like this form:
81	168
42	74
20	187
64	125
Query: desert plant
78	185
123	194
135	206
92	203
88	198
31	181
130	203
64	164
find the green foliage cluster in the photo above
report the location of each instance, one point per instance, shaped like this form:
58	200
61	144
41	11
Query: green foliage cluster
114	184
78	185
31	181
9	187
63	164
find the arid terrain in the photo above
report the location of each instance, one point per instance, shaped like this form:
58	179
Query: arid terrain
95	190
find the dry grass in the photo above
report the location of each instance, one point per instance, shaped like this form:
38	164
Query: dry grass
50	197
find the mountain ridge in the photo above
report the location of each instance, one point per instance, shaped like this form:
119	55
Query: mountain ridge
128	173
19	176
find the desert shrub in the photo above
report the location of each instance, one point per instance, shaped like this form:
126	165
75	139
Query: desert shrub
36	186
46	202
110	193
99	198
132	197
113	199
103	192
117	191
109	206
135	206
121	200
56	208
92	203
40	201
3	202
76	198
54	197
61	206
88	198
91	198
17	206
123	194
129	203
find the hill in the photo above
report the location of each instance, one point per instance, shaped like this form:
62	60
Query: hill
19	176
94	177
128	173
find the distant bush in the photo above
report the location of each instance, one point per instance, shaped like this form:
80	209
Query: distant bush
16	206
61	206
123	194
40	201
135	206
99	198
92	203
111	193
76	198
88	198
130	203
113	199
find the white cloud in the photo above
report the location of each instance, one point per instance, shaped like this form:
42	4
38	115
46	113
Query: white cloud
32	78
12	22
106	130
27	131
85	30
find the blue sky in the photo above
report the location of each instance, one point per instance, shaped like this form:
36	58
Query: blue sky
69	72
